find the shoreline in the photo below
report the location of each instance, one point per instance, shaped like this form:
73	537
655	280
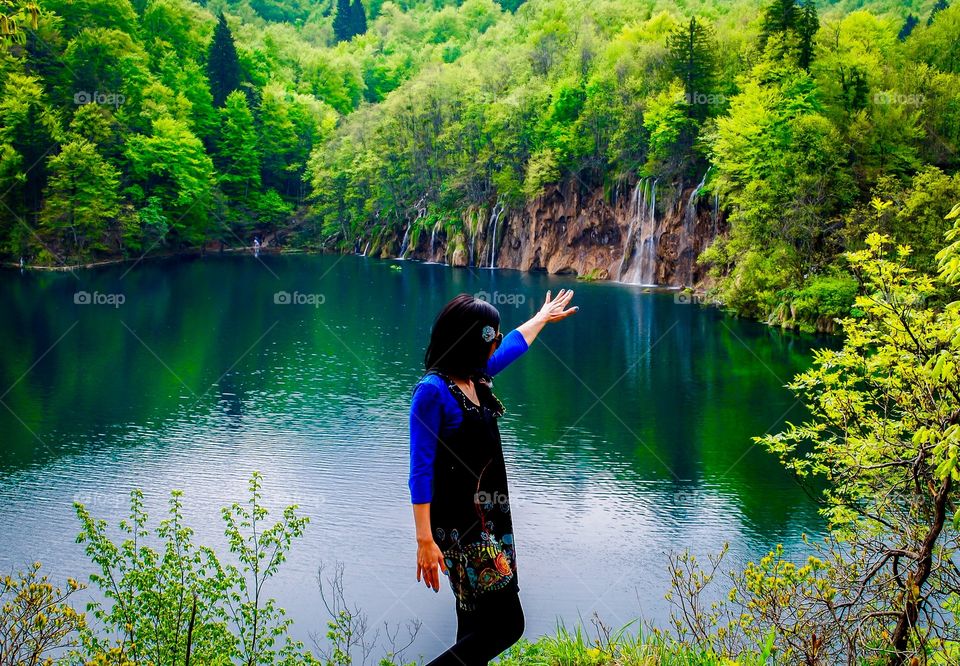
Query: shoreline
697	296
69	268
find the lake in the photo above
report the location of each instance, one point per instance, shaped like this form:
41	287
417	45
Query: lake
627	433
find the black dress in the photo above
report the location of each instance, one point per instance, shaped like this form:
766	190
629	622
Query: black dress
470	510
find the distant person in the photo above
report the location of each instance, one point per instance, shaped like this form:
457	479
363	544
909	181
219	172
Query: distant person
458	479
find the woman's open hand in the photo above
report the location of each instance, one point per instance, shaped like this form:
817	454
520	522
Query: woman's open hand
556	309
430	563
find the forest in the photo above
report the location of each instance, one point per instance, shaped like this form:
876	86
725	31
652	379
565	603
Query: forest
158	126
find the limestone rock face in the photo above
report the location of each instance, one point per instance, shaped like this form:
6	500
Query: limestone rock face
646	232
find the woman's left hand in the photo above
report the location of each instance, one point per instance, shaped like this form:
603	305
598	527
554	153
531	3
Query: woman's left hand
556	309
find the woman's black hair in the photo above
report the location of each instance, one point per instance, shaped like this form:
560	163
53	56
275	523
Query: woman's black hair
457	347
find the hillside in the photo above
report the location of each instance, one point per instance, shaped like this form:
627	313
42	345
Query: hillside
437	130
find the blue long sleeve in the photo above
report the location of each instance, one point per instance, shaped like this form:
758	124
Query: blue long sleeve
426	412
510	350
434	413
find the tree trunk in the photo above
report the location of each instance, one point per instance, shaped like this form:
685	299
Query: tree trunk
918	578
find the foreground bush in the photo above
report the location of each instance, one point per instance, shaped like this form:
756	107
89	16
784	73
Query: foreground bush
178	603
35	618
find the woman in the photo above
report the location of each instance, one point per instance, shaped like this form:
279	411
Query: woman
458	481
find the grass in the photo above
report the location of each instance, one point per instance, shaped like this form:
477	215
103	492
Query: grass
619	648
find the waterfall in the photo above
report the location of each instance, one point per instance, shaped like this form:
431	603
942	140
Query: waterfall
366	249
716	212
639	262
635	206
405	242
695	195
495	213
686	248
421	213
433	242
473	242
648	240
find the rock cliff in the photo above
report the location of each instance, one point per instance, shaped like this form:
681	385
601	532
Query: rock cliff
646	232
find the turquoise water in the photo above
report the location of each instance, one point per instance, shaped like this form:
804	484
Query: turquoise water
627	434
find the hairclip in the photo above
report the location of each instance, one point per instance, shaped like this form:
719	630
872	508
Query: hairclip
488	333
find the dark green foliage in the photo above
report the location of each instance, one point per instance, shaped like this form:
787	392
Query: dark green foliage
909	24
292	11
779	17
807	26
692	48
223	65
358	17
792	27
343	21
937	8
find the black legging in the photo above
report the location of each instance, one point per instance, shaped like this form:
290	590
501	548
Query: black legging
482	634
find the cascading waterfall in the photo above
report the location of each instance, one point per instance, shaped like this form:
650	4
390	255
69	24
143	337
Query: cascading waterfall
433	242
421	213
648	240
405	243
366	248
495	213
639	262
635	215
472	227
686	248
690	218
716	212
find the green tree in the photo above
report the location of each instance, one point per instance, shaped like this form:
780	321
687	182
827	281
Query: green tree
358	17
790	28
29	130
909	24
779	17
691	58
83	14
884	427
808	23
107	66
81	199
238	157
773	149
171	164
936	9
282	158
343	21
223	65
